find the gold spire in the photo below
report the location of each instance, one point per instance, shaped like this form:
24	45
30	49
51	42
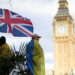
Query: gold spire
63	9
63	4
63	1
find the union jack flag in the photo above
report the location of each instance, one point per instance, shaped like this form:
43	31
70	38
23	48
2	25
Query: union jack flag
11	22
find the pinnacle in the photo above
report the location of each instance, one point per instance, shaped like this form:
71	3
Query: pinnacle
62	0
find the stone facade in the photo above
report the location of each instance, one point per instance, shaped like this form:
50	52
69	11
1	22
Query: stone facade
64	40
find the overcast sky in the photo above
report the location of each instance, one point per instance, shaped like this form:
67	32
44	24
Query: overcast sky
41	13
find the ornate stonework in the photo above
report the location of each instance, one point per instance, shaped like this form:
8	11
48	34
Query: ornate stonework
64	40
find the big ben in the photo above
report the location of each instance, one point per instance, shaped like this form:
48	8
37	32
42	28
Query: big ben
64	40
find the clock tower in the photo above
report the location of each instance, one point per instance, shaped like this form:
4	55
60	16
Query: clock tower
64	43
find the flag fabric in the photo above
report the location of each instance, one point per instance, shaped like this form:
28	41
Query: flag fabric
35	58
3	27
11	22
29	55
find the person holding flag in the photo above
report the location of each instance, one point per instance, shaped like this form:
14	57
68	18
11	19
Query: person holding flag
35	57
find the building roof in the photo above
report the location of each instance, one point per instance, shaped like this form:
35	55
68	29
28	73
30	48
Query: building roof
63	1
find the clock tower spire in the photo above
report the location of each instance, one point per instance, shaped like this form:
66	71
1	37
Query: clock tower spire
63	40
63	9
63	20
63	4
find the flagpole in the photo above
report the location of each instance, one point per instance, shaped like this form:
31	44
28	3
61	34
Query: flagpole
10	4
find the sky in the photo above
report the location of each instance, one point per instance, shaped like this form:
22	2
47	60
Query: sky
41	13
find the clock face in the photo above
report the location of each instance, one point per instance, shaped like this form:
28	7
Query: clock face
61	29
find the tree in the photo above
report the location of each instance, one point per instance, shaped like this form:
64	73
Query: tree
16	64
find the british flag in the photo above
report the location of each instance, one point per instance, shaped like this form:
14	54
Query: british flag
11	22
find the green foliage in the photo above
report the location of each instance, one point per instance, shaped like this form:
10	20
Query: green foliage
16	61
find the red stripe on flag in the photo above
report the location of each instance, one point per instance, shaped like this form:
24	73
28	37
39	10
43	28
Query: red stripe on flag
23	30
